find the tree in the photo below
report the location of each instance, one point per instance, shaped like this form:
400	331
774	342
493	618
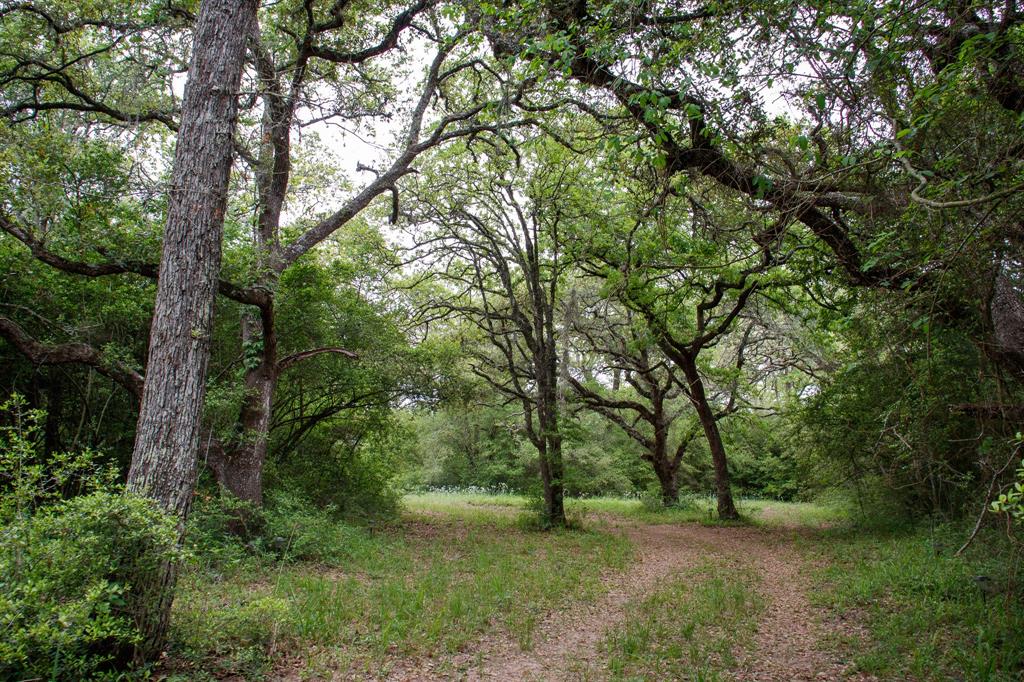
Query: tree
300	53
165	462
496	245
164	465
288	81
669	83
649	411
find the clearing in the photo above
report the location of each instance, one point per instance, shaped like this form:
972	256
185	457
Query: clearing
461	588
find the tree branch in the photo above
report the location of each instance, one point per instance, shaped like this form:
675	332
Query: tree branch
71	353
249	296
295	358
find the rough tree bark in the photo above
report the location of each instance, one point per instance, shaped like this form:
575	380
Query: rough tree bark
549	443
240	469
164	463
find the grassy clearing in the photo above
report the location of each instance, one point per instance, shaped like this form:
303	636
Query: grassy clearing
428	585
691	629
465	505
928	617
701	509
691	508
355	600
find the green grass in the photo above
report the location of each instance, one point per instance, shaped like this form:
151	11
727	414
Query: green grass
428	585
927	618
691	508
691	629
465	505
701	509
772	513
352	601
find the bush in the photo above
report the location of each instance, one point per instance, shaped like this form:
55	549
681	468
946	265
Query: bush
291	528
298	531
66	584
28	480
348	467
211	546
888	419
1011	502
68	566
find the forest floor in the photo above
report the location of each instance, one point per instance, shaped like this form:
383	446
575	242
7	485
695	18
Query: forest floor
461	587
784	637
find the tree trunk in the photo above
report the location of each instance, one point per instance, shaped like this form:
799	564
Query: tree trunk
164	463
552	469
242	475
242	471
697	395
664	468
554	486
669	482
549	453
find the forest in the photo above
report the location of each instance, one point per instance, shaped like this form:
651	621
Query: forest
511	340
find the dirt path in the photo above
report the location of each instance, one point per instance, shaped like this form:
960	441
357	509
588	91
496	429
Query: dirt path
788	634
566	643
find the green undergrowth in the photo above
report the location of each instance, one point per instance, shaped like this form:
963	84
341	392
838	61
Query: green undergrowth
424	585
692	628
929	614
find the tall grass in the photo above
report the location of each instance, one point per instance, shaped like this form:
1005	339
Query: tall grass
930	615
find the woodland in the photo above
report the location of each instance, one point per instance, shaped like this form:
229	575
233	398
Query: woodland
518	339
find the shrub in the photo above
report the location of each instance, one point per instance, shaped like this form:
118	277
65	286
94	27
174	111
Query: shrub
292	528
67	566
298	531
28	480
350	468
888	419
1011	502
210	543
66	584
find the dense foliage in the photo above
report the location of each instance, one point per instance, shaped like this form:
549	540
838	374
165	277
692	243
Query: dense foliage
70	569
655	250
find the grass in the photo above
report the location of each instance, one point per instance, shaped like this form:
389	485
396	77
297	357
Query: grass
426	586
354	601
701	509
465	505
926	616
691	629
691	508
